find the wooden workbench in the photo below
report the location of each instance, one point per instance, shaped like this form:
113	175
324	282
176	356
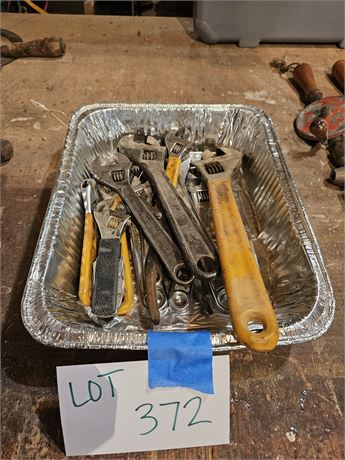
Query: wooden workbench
113	59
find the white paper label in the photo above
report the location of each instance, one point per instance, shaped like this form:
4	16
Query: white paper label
108	408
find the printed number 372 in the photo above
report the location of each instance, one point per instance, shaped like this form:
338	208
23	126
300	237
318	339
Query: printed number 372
155	422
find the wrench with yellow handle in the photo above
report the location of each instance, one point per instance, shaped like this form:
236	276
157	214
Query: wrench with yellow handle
89	254
87	259
248	299
128	294
89	244
173	169
177	148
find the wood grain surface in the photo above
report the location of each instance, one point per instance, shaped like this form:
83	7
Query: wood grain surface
285	404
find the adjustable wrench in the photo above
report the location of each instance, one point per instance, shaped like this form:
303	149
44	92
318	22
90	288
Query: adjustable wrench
200	258
248	299
116	178
177	148
108	286
89	243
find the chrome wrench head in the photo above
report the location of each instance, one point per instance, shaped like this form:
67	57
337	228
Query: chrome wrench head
111	224
114	175
223	164
177	146
185	167
139	152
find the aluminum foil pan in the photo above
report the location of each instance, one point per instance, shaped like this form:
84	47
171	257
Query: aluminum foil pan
281	235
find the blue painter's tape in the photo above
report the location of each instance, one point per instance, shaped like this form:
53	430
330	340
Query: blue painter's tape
180	359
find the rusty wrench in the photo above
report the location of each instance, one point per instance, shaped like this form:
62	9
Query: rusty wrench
116	177
150	158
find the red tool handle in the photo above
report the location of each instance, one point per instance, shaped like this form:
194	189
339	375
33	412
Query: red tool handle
338	73
304	77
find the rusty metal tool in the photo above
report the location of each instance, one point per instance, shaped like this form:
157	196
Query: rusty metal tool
186	195
197	253
46	47
108	286
148	266
177	148
13	38
116	178
200	199
337	176
89	243
161	297
248	300
323	118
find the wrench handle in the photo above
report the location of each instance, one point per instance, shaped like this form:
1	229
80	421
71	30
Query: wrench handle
173	169
104	299
304	77
191	239
161	241
247	296
128	295
87	258
150	280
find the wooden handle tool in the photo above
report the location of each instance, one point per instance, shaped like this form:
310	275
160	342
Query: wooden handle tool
248	300
338	73
304	77
46	47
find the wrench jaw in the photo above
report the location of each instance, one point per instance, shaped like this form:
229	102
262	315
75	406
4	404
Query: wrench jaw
113	176
222	165
177	146
139	153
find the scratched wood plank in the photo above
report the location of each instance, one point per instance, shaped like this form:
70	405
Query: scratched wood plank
287	404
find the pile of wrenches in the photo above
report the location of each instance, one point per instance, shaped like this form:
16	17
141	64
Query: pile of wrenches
156	188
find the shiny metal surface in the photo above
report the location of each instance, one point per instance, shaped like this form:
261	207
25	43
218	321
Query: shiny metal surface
276	223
